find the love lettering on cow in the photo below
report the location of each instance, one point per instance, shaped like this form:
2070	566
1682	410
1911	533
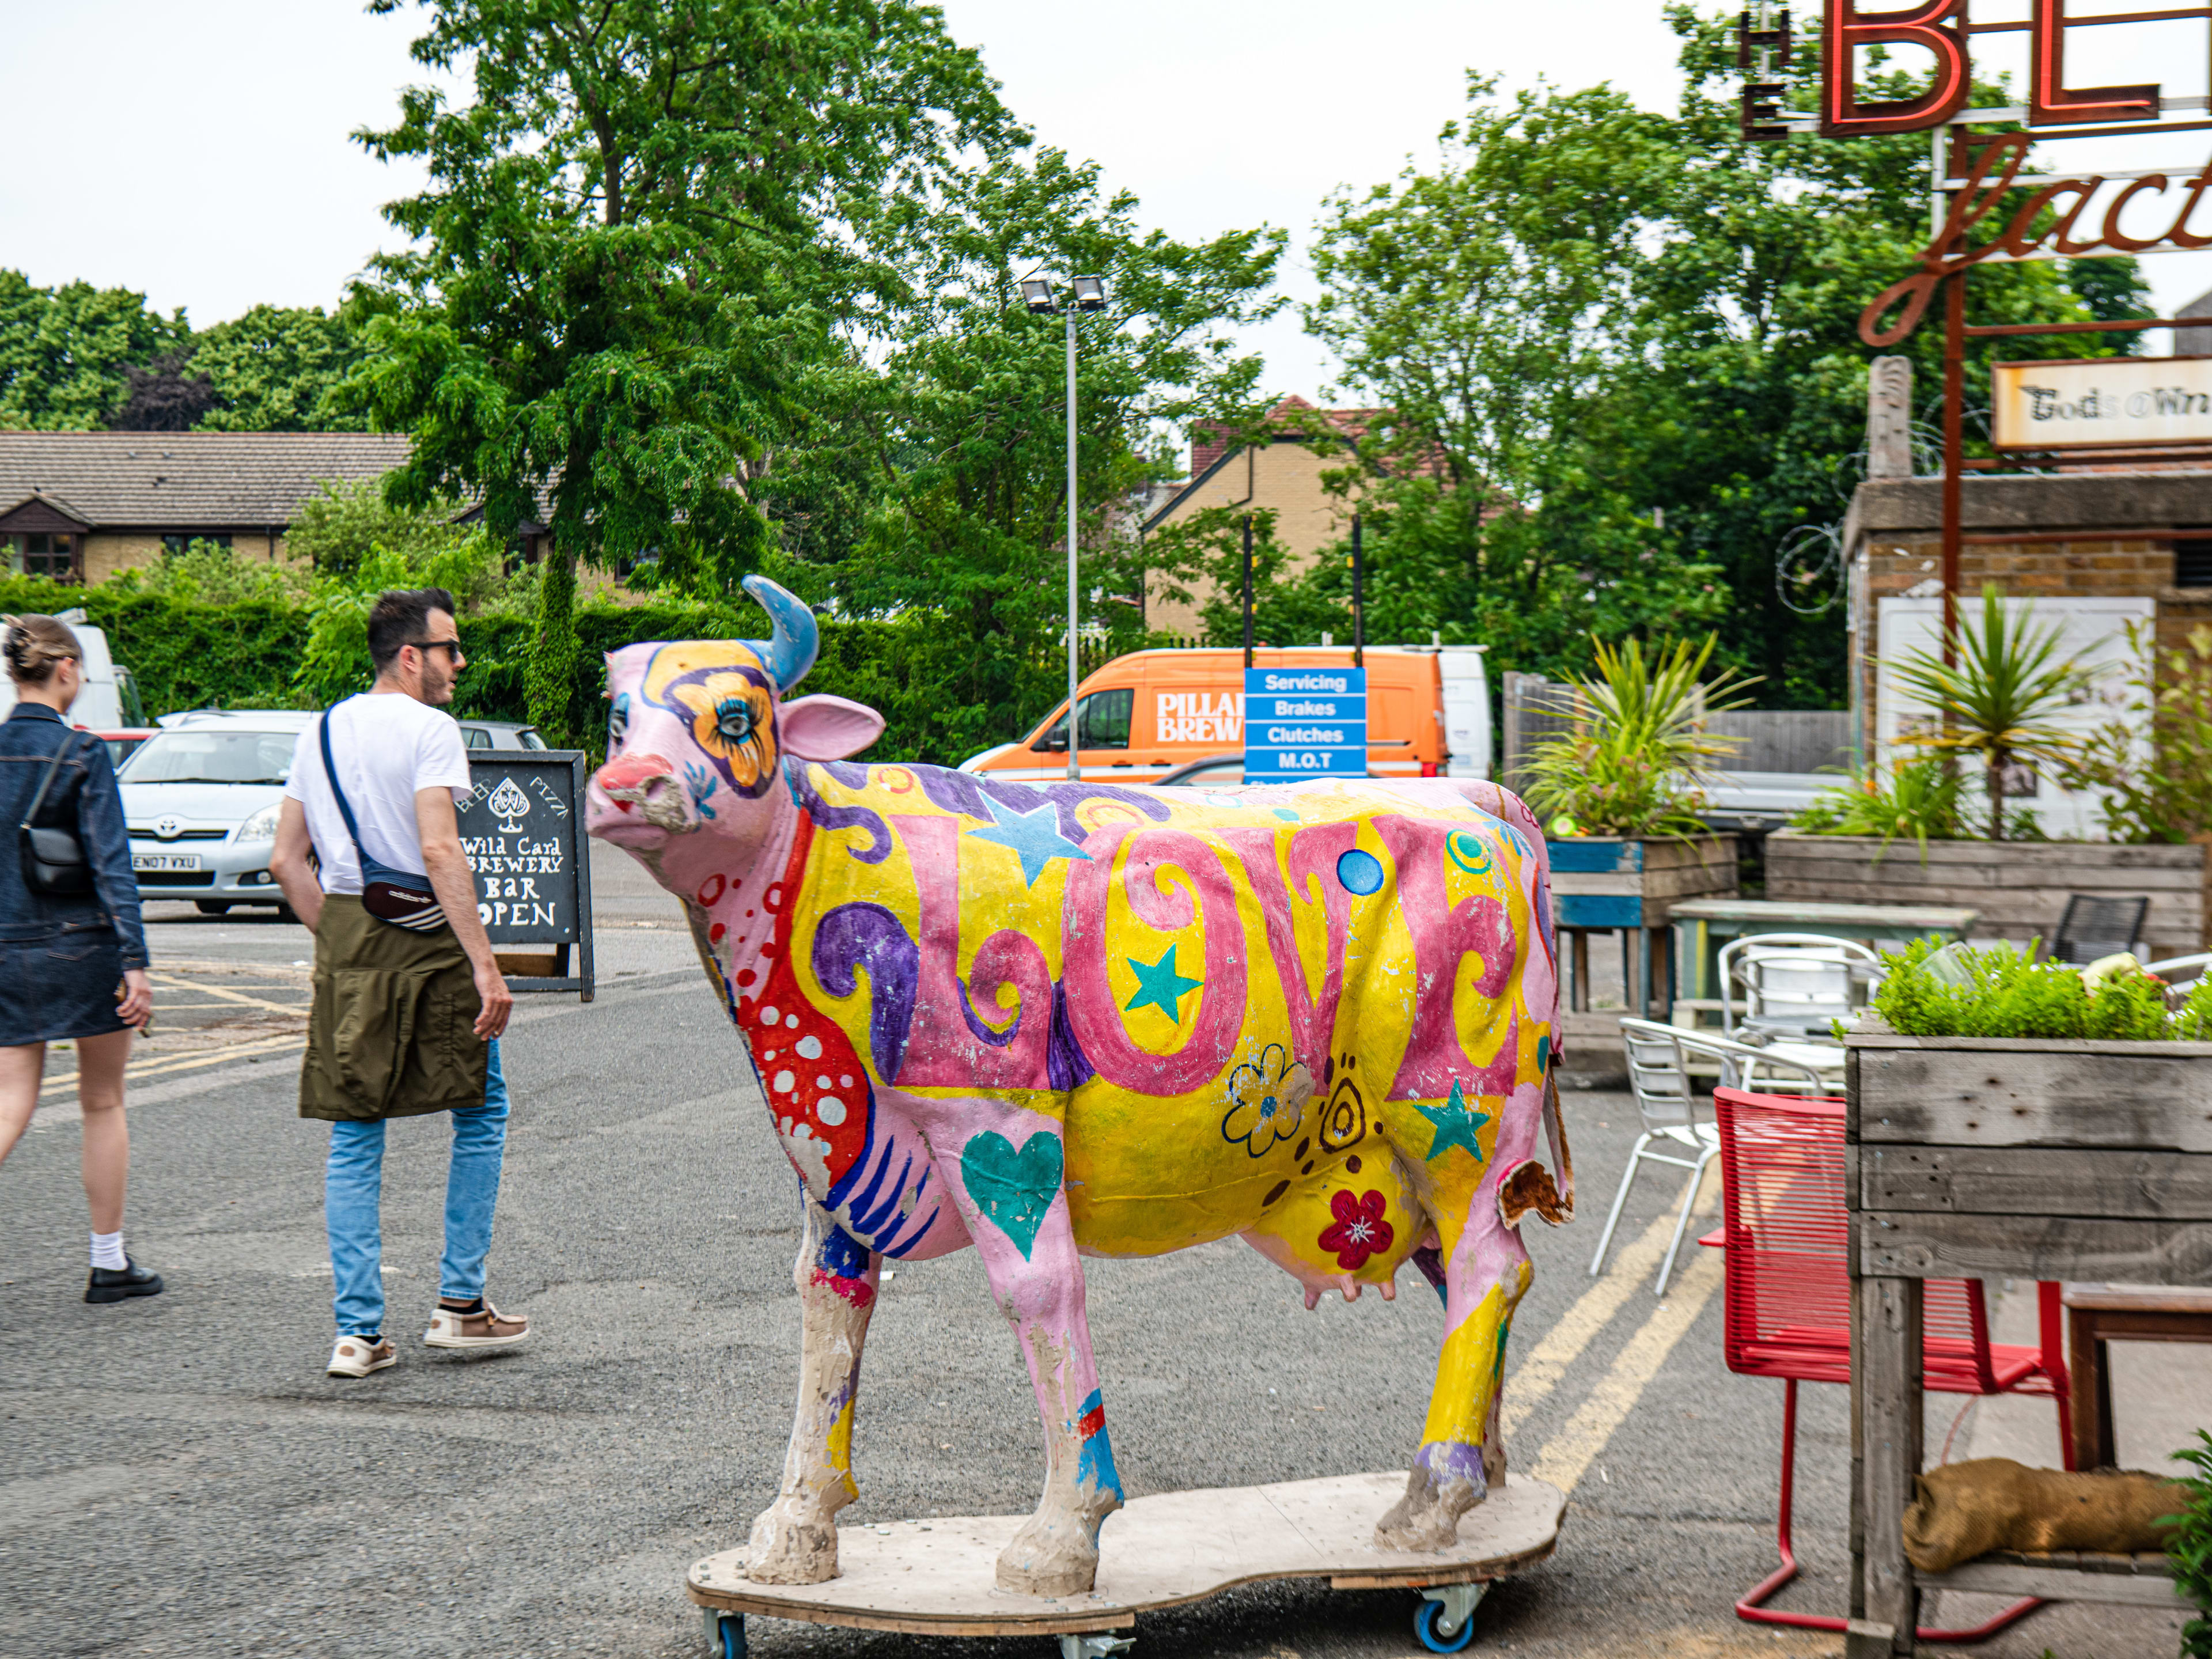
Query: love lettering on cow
1054	1021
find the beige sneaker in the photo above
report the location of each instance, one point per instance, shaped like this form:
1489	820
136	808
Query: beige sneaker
487	1328
356	1356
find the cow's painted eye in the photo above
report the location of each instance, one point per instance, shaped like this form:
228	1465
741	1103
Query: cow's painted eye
733	719
618	721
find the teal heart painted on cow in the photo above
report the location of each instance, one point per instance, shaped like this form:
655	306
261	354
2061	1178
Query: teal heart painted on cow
1014	1189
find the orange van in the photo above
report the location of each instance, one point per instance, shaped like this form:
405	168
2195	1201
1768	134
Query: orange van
1153	713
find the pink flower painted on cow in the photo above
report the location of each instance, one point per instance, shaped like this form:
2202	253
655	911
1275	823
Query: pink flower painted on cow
1360	1230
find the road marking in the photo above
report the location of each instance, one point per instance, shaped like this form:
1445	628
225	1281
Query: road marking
1567	1457
1633	1267
230	996
167	1063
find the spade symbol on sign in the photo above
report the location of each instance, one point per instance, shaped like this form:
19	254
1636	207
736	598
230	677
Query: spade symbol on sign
509	803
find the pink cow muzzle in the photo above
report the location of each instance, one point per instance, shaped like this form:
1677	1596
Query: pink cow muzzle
638	800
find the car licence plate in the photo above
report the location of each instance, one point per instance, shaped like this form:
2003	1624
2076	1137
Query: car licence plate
154	863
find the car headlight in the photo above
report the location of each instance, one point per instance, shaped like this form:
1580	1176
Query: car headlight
262	826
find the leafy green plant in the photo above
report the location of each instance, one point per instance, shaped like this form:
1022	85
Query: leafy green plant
2188	1546
209	572
1919	798
1930	990
2159	790
1996	700
1637	753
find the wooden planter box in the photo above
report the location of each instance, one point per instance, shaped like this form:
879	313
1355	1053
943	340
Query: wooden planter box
2018	887
1603	884
1617	881
1980	1158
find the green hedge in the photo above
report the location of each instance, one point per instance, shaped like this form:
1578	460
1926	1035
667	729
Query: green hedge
941	702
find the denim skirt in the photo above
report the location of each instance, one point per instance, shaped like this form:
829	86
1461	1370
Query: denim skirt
54	989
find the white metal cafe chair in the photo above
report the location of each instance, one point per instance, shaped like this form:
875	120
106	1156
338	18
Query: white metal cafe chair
1678	1130
2182	971
1791	985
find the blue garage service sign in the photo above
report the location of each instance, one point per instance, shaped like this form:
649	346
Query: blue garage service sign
1304	723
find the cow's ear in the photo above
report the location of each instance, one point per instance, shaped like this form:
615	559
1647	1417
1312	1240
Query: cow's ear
826	728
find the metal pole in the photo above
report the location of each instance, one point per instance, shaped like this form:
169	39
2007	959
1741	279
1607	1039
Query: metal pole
1359	604
1074	766
1955	398
1248	590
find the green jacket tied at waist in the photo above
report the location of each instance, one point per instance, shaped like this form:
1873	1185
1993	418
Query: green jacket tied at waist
392	1033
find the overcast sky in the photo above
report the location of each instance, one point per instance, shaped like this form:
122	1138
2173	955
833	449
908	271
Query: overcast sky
198	151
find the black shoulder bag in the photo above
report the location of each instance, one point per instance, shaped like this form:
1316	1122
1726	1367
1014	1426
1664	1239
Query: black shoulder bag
53	860
399	897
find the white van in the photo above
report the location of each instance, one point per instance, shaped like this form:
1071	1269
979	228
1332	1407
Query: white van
109	701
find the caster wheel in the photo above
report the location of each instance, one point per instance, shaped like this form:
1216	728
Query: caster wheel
1425	1627
734	1636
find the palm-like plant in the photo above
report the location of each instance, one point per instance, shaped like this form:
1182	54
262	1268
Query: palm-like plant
1996	700
1636	757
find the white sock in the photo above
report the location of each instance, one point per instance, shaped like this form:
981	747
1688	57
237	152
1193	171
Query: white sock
108	1251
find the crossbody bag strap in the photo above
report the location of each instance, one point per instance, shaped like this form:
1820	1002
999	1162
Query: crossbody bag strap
330	771
31	812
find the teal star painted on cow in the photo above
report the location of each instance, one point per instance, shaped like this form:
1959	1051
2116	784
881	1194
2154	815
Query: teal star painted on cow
1034	837
1159	984
1455	1123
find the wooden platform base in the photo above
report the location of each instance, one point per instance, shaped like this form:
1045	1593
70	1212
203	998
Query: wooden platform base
935	1577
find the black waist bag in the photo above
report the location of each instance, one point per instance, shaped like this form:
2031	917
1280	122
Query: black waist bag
54	859
399	897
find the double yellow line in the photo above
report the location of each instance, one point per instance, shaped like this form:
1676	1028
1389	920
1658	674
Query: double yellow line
1566	1456
165	1065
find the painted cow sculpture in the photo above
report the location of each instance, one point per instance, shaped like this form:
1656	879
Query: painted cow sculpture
1083	1018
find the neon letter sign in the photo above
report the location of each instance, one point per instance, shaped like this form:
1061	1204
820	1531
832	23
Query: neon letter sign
1930	25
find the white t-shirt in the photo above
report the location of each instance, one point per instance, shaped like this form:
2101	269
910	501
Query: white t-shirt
388	746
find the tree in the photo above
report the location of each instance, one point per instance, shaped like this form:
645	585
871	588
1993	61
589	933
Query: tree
274	370
162	396
64	351
336	530
1489	304
970	443
632	244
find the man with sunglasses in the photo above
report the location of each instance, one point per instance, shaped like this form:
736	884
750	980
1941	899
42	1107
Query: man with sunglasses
409	1000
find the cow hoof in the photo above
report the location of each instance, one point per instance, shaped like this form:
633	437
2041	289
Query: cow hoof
1049	1557
1426	1518
787	1551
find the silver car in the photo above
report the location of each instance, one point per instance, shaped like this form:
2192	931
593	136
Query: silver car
201	798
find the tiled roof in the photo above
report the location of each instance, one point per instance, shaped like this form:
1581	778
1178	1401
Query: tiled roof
164	481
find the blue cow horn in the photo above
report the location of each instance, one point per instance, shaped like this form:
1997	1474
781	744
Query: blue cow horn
797	641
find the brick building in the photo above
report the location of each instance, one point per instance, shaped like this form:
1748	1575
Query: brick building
2092	549
84	506
1284	474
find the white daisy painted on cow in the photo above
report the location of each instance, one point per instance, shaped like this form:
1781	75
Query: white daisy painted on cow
1267	1100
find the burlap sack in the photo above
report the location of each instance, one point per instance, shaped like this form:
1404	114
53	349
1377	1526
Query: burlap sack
1966	1510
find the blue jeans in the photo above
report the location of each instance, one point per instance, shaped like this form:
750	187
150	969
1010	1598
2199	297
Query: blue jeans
353	1189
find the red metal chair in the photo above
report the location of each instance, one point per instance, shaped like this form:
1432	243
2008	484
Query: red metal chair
1788	1303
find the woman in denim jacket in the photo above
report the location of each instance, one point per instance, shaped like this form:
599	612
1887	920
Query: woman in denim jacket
70	967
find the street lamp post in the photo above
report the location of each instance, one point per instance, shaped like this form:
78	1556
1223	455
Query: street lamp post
1087	293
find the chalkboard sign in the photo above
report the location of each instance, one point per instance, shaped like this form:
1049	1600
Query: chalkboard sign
522	830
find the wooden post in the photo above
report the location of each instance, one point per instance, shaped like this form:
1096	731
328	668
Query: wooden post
1886	1452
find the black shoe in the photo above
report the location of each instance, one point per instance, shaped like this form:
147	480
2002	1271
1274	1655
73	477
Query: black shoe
119	1285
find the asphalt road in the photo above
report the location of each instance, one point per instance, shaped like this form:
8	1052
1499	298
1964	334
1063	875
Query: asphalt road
178	1476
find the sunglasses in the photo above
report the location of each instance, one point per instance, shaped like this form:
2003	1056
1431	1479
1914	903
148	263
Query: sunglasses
451	647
